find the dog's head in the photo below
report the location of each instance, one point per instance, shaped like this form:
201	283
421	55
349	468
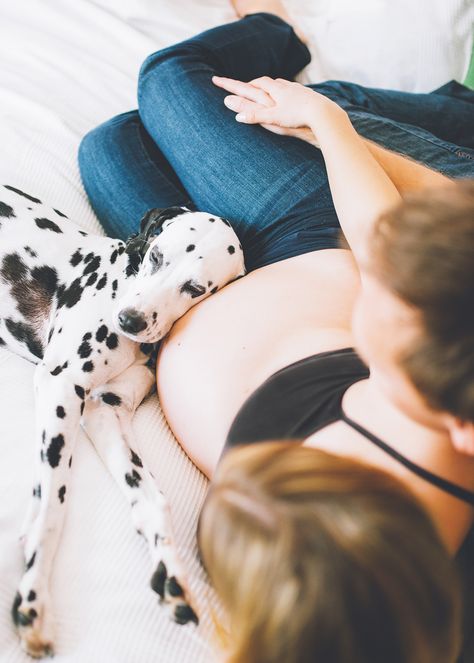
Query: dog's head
181	257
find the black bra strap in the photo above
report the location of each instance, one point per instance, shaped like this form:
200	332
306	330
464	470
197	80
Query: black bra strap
444	484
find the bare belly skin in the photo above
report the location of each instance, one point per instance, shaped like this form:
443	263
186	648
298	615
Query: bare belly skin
223	348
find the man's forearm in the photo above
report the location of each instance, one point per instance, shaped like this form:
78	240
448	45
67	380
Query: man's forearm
360	187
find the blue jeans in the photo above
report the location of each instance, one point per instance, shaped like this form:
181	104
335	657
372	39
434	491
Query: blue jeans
183	145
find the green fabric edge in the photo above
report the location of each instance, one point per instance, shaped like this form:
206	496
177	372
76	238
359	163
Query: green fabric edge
469	80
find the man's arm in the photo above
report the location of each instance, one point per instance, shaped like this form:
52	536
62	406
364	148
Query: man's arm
361	189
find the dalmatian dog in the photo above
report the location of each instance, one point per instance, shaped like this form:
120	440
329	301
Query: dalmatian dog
89	311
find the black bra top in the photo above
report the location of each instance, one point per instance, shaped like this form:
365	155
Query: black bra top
304	397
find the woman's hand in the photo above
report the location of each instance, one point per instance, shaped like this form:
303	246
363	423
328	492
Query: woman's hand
281	106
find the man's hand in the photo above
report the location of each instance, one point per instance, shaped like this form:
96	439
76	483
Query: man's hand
281	106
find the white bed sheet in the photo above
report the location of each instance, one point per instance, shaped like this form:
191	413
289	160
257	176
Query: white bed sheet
65	66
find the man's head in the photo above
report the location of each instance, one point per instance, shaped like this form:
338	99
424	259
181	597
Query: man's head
414	321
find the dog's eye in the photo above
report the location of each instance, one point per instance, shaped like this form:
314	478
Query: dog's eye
193	289
156	258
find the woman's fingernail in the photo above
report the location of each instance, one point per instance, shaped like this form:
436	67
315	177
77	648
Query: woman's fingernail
240	117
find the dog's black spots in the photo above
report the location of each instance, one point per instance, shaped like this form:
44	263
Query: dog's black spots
61	494
209	283
84	350
192	229
92	278
37	491
133	479
47	278
224	221
89	257
33	291
112	341
13	268
60	412
2	342
101	334
70	457
60	213
114	285
71	295
130	270
54	450
92	266
21	193
32	613
25	334
173	587
50	334
6	211
158	579
192	288
135	458
43	437
121	249
30	252
83	233
83	404
156	259
56	371
102	282
31	561
47	224
211	220
191	247
42	456
231	249
201	258
60	330
79	391
184	613
109	398
214	290
154	316
113	256
15	606
133	503
76	258
87	336
32	595
88	367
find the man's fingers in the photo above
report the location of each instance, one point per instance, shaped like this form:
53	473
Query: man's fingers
270	85
255	115
242	89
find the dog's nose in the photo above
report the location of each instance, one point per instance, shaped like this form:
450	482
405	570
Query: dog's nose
131	320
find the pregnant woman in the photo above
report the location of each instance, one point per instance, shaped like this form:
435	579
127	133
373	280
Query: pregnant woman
349	154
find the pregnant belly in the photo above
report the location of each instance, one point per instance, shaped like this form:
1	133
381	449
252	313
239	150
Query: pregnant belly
227	345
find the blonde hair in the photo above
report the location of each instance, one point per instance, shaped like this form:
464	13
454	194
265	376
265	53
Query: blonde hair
318	558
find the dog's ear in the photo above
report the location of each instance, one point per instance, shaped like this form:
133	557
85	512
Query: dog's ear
154	219
151	224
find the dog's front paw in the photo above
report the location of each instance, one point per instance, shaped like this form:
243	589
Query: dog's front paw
28	617
171	592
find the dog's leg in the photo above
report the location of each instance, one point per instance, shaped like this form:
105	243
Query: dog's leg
58	408
108	423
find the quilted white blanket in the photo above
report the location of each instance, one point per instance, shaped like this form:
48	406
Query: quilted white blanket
67	65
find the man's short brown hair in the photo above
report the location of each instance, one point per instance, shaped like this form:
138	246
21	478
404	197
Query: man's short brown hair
423	251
